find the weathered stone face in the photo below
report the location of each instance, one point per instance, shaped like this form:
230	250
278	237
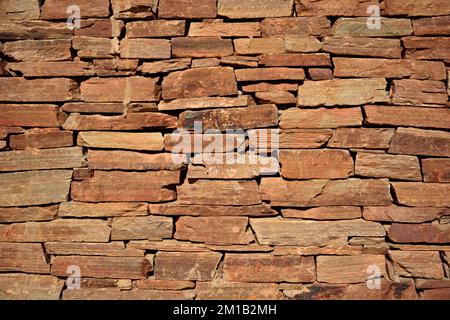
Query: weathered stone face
224	149
342	92
199	266
316	164
325	192
217	230
120	186
350	269
280	231
200	82
268	268
238	9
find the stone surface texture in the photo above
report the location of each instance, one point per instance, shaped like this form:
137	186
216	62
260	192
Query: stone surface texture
225	149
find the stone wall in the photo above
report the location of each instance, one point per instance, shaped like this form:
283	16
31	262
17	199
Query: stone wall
343	191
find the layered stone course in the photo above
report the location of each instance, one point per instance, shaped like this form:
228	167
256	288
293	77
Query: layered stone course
94	183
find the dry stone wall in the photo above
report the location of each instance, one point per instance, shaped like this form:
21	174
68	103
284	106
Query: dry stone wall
120	120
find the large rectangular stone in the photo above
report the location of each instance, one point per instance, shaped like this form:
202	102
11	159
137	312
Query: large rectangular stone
38	159
29	115
19	10
237	291
419	93
388	68
289	138
239	9
127	294
371	47
322	118
294	232
105	108
302	44
57	9
151	141
349	269
200	266
156	28
255	116
268	74
231	166
113	209
216	192
436	170
187	9
118	186
252	46
259	267
357	27
364	138
387	166
224	29
128	160
41	139
200	82
93	47
103	267
419	233
408	116
145	49
316	164
23	214
38	50
346	8
134	9
141	228
316	193
33	29
177	209
389	290
19	286
434	26
23	257
34	187
214	230
344	92
201	47
132	121
421	142
417	264
102	28
403	214
50	90
62	230
296	26
427	48
109	249
417	8
152	284
275	97
416	194
53	69
131	89
324	213
296	60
